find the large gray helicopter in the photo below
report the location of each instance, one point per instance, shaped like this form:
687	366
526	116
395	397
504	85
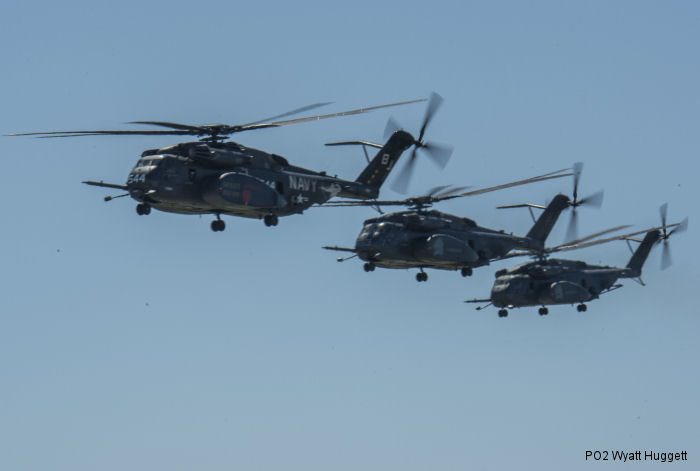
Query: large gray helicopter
421	238
547	282
216	177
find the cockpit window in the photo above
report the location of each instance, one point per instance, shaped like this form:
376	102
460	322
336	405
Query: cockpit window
147	163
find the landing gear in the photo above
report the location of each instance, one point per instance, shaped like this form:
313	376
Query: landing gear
421	276
503	313
369	266
270	220
143	209
466	271
544	311
581	308
218	225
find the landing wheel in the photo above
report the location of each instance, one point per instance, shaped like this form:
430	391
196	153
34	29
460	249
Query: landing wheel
503	313
544	311
421	276
218	225
581	308
143	209
270	220
369	266
466	271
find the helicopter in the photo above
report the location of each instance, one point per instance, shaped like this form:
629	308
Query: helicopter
421	238
545	282
213	176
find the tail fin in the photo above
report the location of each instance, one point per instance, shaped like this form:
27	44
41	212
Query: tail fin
640	255
379	167
544	224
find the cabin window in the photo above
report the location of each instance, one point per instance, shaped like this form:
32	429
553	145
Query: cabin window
583	283
471	243
279	187
192	174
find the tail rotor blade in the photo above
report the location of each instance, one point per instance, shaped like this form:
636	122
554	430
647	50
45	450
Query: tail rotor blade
401	183
595	200
663	211
666	260
433	105
572	230
680	228
391	127
439	153
578	166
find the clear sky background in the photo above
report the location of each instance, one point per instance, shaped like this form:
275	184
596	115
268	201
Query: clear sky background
131	342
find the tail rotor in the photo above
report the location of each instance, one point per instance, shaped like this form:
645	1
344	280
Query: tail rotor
595	200
439	153
666	259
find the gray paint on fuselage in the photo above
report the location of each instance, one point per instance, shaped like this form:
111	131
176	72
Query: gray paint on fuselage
175	183
391	240
535	283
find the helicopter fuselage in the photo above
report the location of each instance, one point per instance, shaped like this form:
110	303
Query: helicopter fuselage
226	178
431	239
553	281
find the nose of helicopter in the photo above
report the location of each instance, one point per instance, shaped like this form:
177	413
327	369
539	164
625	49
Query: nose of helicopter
364	245
142	181
502	292
499	290
367	244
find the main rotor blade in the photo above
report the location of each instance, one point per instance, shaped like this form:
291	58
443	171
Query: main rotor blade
436	190
452	191
167	124
439	153
343	203
522	205
335	115
568	247
513	255
102	133
592	236
428	199
595	200
400	185
525	181
568	170
355	143
217	129
203	129
289	113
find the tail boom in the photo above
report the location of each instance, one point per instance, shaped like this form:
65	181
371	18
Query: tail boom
640	255
383	162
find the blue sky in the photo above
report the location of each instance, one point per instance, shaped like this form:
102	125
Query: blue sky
152	342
